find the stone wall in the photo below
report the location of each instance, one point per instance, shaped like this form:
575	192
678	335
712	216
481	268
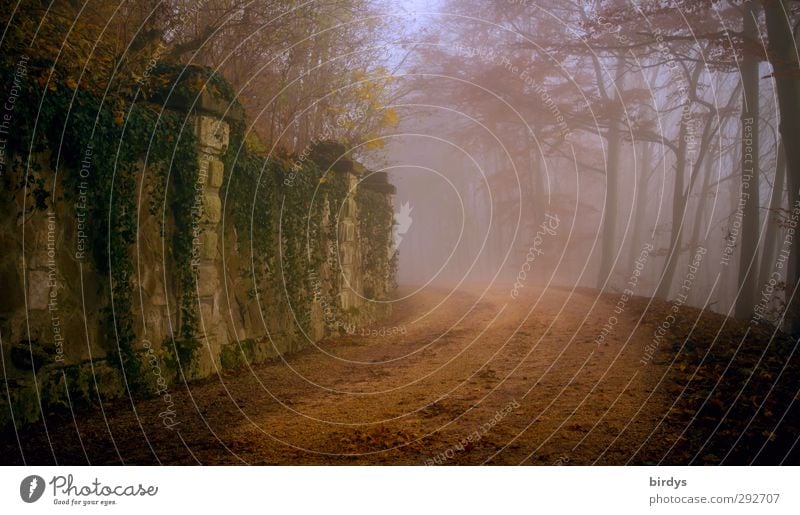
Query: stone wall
59	349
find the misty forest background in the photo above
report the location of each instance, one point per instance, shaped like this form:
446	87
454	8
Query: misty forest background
642	155
668	123
639	122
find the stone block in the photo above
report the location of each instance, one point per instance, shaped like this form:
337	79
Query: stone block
346	275
207	280
212	133
346	254
158	297
216	171
347	231
349	208
209	244
212	205
346	299
203	167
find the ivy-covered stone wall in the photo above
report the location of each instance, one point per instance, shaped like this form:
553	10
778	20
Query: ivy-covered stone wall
145	243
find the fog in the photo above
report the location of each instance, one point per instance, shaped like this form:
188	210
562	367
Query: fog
584	253
601	145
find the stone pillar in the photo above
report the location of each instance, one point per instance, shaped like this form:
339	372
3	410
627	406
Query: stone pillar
212	137
348	249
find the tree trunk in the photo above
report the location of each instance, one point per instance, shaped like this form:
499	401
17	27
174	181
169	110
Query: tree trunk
679	194
700	212
748	258
640	199
700	218
536	181
609	243
771	236
678	208
786	73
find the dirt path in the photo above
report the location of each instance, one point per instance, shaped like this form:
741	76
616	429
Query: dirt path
476	378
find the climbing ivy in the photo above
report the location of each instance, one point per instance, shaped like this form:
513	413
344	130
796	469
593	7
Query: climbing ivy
275	206
375	219
101	149
279	213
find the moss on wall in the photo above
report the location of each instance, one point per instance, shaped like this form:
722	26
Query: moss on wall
134	164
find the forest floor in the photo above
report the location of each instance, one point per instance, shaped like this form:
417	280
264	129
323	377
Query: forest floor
472	377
